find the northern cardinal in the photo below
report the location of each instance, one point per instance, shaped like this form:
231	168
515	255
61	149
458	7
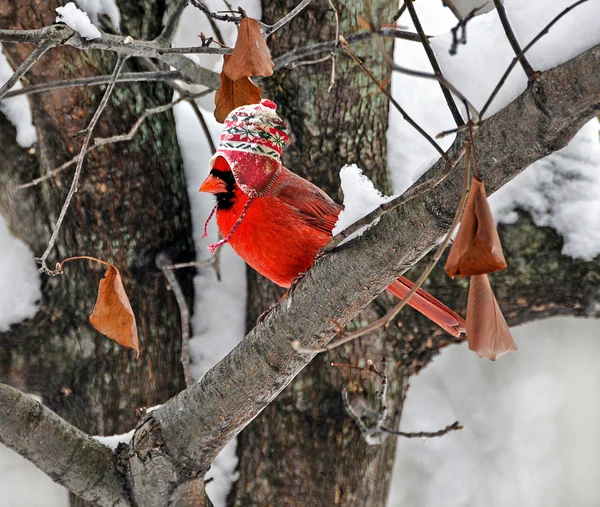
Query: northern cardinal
276	220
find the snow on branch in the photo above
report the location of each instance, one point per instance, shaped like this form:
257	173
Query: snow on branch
67	455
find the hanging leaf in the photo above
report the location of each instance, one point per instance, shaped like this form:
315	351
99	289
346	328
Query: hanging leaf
477	249
232	94
487	331
250	55
113	315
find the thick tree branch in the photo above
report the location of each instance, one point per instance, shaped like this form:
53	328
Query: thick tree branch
196	424
69	456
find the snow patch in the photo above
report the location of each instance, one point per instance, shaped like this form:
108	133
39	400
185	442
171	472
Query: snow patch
562	191
223	474
360	198
18	278
17	109
78	20
113	441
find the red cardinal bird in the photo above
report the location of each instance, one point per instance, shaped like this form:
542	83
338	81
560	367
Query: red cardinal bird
276	220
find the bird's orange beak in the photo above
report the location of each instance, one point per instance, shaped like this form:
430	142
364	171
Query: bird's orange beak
213	185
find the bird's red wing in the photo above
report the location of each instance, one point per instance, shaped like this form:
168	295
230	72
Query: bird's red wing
314	207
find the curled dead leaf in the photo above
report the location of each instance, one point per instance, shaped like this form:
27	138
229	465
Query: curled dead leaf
113	315
487	331
476	249
250	55
232	94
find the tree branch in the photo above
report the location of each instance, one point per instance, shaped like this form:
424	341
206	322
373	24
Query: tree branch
126	77
67	455
196	424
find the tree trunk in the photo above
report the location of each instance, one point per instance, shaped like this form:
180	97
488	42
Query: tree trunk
132	203
304	449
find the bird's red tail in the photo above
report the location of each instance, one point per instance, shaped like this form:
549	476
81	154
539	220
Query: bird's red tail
429	306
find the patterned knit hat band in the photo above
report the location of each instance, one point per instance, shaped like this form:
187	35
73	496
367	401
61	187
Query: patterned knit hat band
255	129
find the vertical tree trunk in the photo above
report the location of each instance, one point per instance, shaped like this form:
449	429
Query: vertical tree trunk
131	204
304	449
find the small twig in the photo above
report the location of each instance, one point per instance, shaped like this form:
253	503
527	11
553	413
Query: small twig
219	17
200	116
337	36
386	207
543	32
90	129
455	426
33	57
371	371
268	30
192	264
162	261
399	13
510	35
126	77
406	117
461	25
389	316
434	63
310	62
326	47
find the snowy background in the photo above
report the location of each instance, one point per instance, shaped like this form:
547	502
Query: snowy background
530	436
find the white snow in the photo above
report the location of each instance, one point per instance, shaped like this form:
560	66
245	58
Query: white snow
113	441
219	321
360	198
19	280
17	109
93	8
78	20
561	191
530	435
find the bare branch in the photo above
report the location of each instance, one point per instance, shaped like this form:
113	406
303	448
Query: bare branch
386	207
327	47
67	455
268	30
90	129
163	262
434	63
35	55
455	426
391	314
510	35
525	49
404	114
126	77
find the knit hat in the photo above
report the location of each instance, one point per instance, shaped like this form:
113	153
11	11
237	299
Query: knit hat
252	141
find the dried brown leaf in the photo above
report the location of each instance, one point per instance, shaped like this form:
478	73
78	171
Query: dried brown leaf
250	55
477	249
487	331
232	94
113	315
